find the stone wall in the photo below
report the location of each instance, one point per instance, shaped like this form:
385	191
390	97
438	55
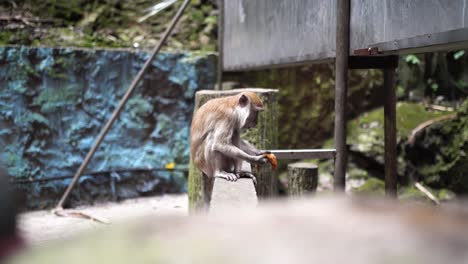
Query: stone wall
53	103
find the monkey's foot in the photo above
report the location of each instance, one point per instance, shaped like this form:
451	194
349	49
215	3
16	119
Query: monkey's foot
246	174
227	175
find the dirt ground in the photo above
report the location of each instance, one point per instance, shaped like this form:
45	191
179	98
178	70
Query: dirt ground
42	226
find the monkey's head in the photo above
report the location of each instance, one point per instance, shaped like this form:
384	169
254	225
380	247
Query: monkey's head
250	105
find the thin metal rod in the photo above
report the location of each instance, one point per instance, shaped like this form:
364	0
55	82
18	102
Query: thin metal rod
390	133
220	43
341	88
304	153
122	103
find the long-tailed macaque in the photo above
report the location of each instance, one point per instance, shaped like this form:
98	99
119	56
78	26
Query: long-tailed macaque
215	144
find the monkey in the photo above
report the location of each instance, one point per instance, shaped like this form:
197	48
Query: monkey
216	147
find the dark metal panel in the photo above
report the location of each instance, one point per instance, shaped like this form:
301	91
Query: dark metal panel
395	21
273	32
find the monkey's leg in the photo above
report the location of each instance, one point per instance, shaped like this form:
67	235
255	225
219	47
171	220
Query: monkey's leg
243	174
222	165
247	174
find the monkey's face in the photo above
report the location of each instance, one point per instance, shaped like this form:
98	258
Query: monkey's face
252	119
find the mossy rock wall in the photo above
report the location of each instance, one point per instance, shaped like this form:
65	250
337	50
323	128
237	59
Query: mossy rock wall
437	158
306	99
264	136
53	103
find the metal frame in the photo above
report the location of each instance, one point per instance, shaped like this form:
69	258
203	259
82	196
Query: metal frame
341	91
367	58
304	153
390	133
447	40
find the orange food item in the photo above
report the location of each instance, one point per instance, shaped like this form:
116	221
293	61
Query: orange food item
272	159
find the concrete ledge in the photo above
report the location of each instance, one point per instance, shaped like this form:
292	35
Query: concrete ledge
229	195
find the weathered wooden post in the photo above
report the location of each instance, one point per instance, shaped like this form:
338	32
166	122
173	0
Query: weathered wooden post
302	178
264	136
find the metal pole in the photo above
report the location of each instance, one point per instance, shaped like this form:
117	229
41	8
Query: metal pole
220	43
341	87
122	103
390	133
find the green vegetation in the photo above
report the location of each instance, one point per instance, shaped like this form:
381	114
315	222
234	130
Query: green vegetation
440	154
103	23
366	133
376	187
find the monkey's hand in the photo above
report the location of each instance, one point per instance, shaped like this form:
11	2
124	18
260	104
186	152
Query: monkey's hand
260	159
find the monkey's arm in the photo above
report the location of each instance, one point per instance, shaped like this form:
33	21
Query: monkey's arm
222	143
236	153
247	147
251	149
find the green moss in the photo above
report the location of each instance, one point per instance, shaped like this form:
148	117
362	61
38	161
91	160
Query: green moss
445	195
366	132
375	186
372	186
411	193
370	126
5	37
444	144
356	173
410	115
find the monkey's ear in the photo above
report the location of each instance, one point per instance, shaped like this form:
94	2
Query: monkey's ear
243	100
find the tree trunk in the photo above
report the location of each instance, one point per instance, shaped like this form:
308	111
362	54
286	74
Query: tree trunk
302	178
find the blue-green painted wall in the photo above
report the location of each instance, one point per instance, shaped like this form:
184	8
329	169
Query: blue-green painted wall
53	103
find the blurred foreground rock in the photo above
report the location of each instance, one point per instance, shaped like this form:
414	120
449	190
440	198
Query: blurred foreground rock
320	230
